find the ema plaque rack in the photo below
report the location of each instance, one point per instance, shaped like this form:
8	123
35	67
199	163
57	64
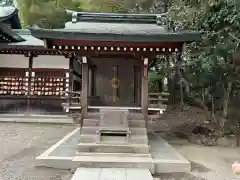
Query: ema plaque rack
49	83
13	82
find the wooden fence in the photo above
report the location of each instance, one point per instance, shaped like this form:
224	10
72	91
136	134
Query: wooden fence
157	100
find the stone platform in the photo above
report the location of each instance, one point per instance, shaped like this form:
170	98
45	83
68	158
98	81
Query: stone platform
112	174
31	118
162	158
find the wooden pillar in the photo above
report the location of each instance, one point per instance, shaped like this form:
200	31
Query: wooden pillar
135	85
139	80
29	75
94	71
85	86
90	78
145	89
70	86
115	85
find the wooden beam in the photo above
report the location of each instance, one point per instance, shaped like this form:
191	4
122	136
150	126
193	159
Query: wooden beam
115	44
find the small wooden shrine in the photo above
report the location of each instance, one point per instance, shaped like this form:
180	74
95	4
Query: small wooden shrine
115	51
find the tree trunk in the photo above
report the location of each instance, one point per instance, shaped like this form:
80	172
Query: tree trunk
166	3
226	100
213	111
238	132
171	100
181	94
205	108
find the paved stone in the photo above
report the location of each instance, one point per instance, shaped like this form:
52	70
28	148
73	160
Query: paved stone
36	119
112	174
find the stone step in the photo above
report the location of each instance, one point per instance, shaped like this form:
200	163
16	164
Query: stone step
135	116
113	154
93	115
131	116
137	124
134	131
113	148
112	173
134	139
132	123
114	162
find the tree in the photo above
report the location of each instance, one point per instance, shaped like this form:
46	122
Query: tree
209	66
46	13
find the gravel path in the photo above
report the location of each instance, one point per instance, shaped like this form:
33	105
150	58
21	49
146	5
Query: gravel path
21	143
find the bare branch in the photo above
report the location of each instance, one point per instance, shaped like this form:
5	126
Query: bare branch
234	37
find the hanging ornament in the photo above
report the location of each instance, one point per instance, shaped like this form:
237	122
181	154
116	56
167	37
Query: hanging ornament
115	82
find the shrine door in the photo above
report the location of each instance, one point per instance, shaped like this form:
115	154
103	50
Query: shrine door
117	82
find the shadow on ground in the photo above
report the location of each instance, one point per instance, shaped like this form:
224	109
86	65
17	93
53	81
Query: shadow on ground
199	168
177	176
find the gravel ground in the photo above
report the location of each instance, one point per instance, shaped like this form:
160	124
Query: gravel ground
21	143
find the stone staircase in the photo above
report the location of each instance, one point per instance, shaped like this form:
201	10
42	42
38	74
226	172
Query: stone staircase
114	150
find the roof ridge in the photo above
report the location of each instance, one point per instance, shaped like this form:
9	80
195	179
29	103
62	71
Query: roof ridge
114	14
115	17
10	34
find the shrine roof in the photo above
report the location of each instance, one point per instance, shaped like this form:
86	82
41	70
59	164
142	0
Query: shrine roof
7	12
9	15
116	28
24	39
7	35
29	39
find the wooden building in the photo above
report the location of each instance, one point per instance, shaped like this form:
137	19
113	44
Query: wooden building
115	51
32	78
105	56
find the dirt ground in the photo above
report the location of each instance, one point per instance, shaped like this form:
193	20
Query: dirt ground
208	163
21	143
171	120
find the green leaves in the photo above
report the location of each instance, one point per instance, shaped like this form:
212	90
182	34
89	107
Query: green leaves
208	63
46	13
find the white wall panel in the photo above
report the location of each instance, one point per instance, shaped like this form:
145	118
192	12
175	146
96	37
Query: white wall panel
13	61
57	62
